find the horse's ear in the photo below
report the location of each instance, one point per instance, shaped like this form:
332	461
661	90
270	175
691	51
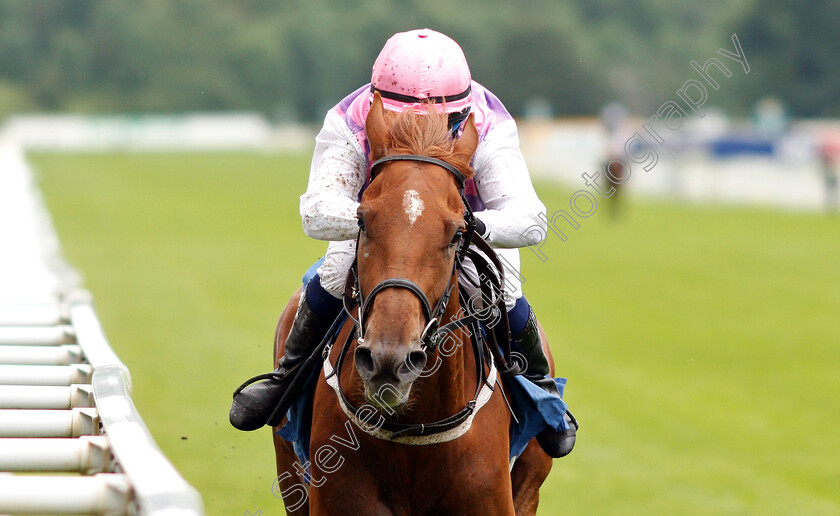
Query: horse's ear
376	128
468	141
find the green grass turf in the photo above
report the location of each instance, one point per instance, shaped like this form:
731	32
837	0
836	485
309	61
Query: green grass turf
701	343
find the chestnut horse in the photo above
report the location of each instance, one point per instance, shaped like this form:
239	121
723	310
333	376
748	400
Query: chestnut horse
412	217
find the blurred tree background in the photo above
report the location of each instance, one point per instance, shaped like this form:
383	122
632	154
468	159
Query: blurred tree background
292	61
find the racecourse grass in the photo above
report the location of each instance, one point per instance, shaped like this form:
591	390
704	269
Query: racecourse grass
700	342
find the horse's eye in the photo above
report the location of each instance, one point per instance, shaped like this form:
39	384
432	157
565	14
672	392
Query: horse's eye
456	238
361	223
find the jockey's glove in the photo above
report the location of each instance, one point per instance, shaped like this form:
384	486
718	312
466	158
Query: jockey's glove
480	228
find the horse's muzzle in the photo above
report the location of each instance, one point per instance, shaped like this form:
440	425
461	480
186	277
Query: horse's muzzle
388	372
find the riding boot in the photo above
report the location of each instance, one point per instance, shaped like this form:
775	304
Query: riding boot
555	443
254	403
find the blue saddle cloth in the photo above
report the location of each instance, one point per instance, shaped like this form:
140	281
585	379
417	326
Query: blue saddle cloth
534	409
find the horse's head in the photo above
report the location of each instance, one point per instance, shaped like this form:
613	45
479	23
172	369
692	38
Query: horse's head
412	217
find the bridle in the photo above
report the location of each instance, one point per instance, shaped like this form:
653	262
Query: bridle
456	425
433	329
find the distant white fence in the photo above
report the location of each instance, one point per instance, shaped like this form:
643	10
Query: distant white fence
685	168
191	131
65	397
559	150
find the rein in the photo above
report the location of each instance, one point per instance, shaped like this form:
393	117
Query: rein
456	425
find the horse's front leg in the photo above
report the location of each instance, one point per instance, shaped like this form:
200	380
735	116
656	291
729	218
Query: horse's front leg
529	473
484	497
533	466
477	484
357	500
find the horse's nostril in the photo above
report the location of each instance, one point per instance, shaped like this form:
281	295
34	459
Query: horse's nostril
413	365
364	362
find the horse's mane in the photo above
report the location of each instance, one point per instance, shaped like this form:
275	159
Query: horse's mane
427	135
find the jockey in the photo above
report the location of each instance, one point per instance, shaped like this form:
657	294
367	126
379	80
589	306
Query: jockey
413	67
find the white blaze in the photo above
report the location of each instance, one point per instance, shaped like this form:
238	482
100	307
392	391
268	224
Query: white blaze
413	205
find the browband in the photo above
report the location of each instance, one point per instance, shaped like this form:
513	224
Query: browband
459	176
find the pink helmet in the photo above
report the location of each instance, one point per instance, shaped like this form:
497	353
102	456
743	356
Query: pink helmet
423	65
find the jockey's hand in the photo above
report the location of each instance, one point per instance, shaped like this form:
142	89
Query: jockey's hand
480	228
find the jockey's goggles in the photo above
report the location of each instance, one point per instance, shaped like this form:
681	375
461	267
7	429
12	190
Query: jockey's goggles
450	104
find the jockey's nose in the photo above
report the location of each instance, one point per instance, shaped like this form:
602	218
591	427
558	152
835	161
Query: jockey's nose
389	363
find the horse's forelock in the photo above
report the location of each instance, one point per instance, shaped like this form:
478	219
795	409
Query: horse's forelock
427	134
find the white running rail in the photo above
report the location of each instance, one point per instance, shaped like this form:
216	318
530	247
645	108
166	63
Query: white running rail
67	421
